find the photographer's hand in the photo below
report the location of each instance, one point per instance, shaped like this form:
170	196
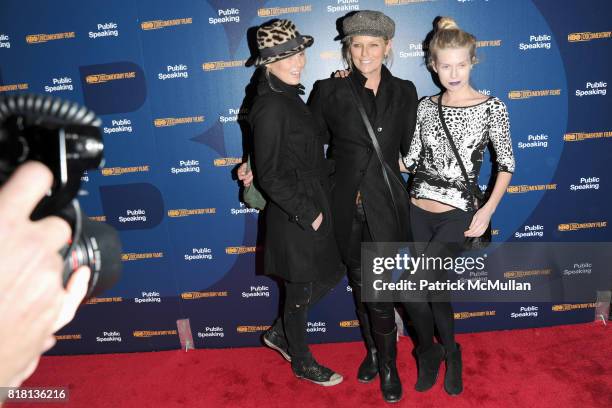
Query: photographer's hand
74	294
75	291
33	303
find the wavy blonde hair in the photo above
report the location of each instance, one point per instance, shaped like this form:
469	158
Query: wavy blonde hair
447	34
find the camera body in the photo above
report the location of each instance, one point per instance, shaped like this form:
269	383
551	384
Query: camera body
66	138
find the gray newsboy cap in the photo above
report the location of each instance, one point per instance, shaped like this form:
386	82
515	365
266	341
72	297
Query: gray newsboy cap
368	22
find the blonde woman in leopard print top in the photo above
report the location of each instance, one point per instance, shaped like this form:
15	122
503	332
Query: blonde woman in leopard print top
442	203
437	174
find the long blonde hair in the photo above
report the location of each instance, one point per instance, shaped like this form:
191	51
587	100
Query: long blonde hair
448	35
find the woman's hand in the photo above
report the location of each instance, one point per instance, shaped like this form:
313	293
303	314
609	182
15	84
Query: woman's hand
480	222
342	73
402	166
245	176
317	222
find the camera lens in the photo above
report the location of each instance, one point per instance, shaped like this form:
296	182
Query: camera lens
99	248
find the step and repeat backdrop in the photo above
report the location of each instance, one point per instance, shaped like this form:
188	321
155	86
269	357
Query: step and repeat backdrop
168	80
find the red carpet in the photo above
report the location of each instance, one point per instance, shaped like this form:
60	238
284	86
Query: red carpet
563	366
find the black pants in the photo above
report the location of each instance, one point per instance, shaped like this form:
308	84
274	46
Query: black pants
440	235
298	299
300	296
381	314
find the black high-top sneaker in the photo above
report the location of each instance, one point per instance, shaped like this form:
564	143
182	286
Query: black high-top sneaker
276	341
309	369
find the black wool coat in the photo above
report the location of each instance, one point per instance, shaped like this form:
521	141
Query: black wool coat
357	165
289	165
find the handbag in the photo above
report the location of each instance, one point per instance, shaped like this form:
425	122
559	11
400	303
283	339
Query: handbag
251	195
397	188
479	198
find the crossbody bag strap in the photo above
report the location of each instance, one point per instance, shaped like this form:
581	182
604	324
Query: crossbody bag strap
455	151
368	127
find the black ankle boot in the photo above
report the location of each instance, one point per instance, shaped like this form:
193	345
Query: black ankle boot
390	383
368	370
429	361
453	383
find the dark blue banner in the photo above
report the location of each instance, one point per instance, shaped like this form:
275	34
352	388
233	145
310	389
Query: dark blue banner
168	80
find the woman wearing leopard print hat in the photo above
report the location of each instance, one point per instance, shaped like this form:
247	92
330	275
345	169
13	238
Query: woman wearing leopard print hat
291	170
443	210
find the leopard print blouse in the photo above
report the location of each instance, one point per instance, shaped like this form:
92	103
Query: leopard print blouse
437	175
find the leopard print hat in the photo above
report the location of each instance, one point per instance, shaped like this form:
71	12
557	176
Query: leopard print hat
277	40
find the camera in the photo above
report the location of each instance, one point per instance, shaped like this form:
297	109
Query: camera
64	136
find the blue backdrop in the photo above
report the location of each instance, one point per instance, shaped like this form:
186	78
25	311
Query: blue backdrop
168	80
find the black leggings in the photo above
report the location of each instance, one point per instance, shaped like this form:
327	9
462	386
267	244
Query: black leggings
427	228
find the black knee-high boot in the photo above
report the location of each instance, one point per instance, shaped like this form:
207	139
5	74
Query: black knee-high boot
390	384
368	369
369	366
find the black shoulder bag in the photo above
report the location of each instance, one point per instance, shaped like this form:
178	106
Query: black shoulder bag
397	188
478	197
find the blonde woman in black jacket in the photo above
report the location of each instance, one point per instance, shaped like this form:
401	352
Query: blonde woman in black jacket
362	205
290	168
